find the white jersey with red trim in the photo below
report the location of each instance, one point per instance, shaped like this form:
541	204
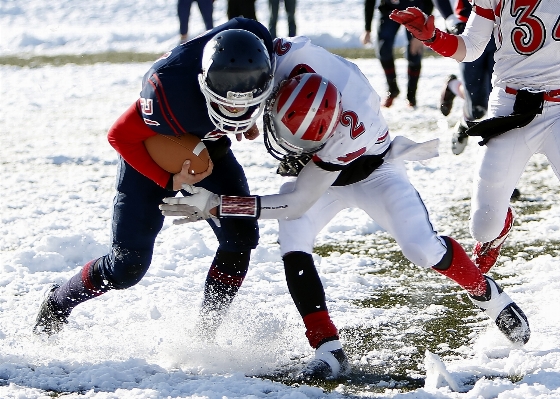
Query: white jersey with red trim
527	34
362	129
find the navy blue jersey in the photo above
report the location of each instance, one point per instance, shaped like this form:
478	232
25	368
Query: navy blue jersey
171	101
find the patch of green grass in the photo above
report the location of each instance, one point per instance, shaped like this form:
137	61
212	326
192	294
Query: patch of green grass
119	57
530	251
38	61
439	317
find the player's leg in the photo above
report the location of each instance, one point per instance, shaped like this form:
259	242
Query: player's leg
551	141
184	11
273	6
414	58
206	8
386	33
136	222
236	237
453	88
499	166
477	84
290	6
401	212
296	244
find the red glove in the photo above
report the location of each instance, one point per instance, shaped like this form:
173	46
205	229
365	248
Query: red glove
416	22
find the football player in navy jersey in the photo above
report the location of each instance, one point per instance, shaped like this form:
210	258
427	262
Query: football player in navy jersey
474	83
209	86
325	113
386	35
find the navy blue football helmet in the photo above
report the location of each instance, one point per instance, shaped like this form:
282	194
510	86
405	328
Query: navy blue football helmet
236	79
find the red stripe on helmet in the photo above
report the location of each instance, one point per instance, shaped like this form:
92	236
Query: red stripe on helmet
300	106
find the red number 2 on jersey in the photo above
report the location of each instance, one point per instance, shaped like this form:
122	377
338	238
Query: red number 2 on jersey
350	118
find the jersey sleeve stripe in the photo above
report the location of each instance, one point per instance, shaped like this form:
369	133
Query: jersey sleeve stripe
164	105
485	13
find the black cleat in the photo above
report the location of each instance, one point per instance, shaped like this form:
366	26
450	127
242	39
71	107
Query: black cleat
50	319
509	318
391	95
411	101
460	139
330	362
447	97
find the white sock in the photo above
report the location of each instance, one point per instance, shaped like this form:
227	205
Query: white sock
455	86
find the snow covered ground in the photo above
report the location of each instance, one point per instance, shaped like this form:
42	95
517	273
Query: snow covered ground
57	185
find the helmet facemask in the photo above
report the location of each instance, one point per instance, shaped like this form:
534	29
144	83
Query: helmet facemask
219	108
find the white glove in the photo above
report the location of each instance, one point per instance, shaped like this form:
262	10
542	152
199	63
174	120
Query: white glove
193	208
454	25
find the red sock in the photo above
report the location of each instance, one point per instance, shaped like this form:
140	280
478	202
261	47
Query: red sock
463	271
319	327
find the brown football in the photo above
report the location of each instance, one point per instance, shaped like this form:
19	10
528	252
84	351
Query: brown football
170	152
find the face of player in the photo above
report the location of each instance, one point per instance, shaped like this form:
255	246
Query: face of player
232	110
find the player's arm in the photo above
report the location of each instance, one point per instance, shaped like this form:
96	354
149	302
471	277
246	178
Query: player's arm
127	137
466	47
311	183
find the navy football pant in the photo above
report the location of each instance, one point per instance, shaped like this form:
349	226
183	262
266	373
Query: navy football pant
137	220
386	33
184	11
477	80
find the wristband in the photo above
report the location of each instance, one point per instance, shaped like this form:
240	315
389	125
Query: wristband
443	43
239	207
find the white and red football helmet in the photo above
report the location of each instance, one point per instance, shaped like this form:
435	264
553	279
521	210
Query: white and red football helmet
301	115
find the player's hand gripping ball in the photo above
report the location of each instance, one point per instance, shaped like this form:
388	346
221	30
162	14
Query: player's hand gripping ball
170	152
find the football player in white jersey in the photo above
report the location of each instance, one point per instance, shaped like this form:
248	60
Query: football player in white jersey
325	114
524	105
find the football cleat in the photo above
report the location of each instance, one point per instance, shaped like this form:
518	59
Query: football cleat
447	97
486	254
330	362
460	139
411	101
50	319
509	318
391	95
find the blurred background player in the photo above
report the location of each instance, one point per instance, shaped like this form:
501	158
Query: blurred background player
474	83
206	8
325	114
386	34
210	86
241	8
524	106
290	7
